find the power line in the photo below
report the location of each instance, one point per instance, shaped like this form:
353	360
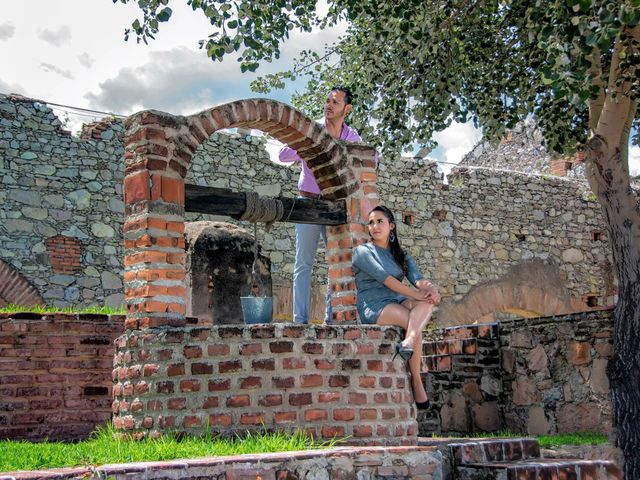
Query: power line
88	110
80	109
268	140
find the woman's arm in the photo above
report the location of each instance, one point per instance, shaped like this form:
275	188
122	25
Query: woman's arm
397	286
433	294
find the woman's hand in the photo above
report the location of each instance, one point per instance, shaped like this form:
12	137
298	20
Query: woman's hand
420	295
429	290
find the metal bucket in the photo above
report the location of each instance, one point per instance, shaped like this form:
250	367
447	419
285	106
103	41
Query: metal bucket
257	309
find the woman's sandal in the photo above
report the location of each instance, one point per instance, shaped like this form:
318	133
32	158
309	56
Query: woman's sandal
423	405
405	352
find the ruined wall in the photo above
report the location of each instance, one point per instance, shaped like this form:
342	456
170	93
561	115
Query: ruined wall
534	376
61	215
61	208
55	374
483	223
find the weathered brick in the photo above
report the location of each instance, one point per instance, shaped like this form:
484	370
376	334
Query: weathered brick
219	385
236	401
299	399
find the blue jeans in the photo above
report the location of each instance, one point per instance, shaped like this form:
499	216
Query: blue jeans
307	237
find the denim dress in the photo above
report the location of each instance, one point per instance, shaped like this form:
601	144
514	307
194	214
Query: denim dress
371	266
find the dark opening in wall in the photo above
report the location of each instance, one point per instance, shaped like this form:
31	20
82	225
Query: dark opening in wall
439	215
568	166
597	235
521	237
592	301
408	218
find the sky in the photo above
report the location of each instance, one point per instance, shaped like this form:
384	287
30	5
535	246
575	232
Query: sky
73	53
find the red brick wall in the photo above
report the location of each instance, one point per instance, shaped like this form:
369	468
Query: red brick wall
328	380
65	254
55	374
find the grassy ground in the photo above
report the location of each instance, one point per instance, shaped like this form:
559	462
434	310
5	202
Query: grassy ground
106	447
48	309
557	440
583	438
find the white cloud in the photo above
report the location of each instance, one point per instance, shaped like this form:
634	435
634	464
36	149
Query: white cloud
454	143
6	87
634	160
47	67
56	38
180	81
6	30
86	60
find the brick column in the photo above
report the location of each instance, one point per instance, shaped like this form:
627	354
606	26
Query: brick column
156	165
361	193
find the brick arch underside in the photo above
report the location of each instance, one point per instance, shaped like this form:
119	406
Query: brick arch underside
325	156
530	289
288	125
16	289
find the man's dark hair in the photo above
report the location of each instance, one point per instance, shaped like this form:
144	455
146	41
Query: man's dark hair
348	96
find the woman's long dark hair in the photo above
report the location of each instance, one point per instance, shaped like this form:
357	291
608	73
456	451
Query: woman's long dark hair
396	250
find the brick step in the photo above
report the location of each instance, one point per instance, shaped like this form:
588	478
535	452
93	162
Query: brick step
494	450
540	469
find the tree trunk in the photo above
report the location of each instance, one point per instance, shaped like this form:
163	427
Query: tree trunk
619	206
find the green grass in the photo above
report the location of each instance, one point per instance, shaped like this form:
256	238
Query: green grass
581	438
11	308
551	441
105	446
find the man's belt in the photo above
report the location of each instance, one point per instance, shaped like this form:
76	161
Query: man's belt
310	195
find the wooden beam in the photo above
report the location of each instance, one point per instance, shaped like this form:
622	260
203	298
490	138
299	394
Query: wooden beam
223	201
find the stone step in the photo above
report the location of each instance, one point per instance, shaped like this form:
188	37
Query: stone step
494	450
540	469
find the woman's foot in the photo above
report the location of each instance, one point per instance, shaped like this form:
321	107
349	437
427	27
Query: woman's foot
405	352
423	405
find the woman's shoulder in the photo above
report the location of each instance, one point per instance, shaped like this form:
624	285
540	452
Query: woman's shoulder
364	248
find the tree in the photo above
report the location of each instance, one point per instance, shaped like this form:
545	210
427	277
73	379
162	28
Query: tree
418	65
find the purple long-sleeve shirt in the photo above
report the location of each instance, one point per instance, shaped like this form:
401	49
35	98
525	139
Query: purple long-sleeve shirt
307	182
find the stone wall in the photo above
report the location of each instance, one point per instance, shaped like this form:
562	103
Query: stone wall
64	194
533	376
530	376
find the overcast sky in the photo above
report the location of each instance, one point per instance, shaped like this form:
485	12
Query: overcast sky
72	52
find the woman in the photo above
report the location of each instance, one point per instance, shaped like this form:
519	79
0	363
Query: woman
379	267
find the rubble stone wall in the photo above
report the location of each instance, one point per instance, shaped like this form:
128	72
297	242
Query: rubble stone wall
534	376
61	201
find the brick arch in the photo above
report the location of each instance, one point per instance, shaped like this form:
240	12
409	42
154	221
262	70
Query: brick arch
16	289
529	289
158	152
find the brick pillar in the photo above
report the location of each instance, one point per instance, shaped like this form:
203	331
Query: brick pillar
361	197
157	154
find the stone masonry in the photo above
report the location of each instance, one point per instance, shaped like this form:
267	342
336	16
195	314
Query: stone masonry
467	234
534	376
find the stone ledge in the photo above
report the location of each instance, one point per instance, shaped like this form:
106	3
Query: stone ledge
340	462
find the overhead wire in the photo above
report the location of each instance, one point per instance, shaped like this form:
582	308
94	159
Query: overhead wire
93	113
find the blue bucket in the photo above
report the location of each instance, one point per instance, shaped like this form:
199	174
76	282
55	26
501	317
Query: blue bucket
257	309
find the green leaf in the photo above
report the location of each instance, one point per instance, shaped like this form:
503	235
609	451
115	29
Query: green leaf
165	14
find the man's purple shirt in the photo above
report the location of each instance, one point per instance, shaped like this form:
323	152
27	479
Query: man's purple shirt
307	182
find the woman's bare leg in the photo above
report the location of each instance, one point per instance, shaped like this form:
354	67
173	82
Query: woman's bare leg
413	317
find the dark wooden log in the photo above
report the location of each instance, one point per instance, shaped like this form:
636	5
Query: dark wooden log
223	201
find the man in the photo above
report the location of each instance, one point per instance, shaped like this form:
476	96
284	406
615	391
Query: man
336	108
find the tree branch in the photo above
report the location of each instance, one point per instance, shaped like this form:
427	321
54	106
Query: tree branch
595	105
